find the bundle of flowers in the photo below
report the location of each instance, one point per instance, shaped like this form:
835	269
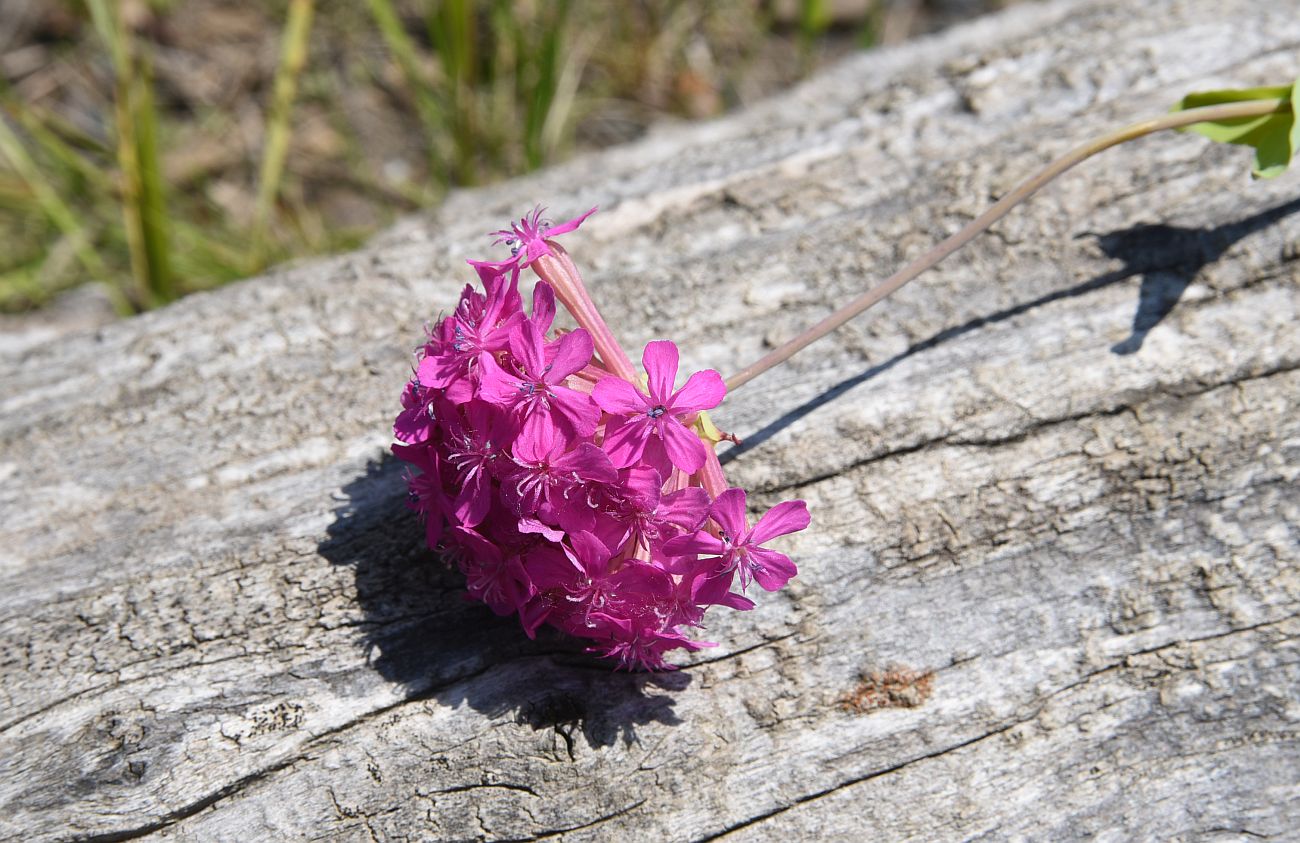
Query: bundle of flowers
575	491
568	487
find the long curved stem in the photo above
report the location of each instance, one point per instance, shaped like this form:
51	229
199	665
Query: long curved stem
1254	108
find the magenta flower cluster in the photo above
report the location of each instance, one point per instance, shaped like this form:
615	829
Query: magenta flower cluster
569	489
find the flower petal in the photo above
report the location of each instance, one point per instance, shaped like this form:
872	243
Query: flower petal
543	306
625	440
528	348
534	248
532	525
474	500
686	508
534	613
498	338
643	485
784	518
539	441
655	456
660	360
568	354
570	225
459	391
481	550
699	543
488	269
413	426
735	600
574	515
618	397
714	589
588	462
438	370
578	409
702	391
548	568
685	450
496	385
589	553
729	511
770	569
417	455
502	296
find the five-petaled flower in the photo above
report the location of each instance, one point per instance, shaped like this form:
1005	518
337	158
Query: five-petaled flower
468	339
660	420
736	546
527	239
534	391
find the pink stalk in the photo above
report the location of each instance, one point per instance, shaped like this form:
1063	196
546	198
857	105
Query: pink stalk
710	475
558	270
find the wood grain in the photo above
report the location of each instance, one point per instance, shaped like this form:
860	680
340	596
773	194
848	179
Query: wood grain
1057	478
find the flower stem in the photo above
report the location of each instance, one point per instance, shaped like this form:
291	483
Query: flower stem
1229	111
559	270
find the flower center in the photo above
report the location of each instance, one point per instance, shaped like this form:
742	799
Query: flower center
656	411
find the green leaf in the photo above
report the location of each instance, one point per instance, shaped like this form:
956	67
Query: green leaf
1275	137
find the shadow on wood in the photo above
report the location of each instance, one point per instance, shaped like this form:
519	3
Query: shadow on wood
422	631
1168	257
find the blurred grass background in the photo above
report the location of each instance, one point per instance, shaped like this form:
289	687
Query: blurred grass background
160	147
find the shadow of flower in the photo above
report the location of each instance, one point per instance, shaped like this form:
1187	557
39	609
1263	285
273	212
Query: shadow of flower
1169	257
421	631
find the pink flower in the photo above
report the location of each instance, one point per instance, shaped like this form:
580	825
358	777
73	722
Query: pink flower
554	484
426	496
527	239
491	576
637	645
415	424
534	392
659	420
480	327
737	547
566	494
649	517
473	446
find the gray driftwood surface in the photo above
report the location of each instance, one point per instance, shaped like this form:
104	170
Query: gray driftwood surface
1054	483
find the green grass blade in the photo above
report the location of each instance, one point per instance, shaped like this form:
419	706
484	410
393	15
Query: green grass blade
154	221
20	288
426	100
107	25
47	199
453	32
293	57
113	33
77	167
546	80
814	20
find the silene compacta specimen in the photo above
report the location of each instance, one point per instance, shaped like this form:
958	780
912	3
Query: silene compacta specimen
575	490
570	487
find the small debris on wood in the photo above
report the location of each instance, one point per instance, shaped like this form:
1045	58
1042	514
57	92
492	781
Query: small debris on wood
897	687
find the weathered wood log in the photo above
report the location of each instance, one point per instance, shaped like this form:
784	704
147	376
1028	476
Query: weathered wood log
1051	590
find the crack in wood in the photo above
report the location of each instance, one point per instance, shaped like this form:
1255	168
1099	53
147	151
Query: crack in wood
1025	433
1118	664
